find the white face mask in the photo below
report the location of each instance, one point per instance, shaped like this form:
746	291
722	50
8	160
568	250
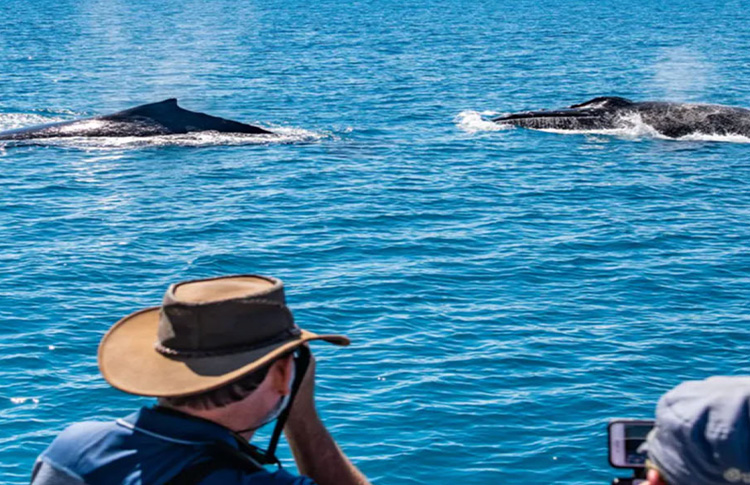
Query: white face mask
276	411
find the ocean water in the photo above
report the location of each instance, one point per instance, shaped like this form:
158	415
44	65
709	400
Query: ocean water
506	291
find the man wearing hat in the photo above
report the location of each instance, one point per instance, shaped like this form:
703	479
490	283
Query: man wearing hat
702	434
224	357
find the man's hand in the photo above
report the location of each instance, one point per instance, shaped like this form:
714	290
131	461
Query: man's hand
303	407
315	451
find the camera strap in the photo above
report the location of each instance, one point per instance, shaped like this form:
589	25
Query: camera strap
301	362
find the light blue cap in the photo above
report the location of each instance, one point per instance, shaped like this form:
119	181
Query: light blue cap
702	433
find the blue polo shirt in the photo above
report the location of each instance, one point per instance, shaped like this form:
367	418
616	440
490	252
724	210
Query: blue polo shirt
147	447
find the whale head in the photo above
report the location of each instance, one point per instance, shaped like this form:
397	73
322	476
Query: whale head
598	113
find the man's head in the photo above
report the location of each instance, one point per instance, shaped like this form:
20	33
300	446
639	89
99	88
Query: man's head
702	434
212	344
245	404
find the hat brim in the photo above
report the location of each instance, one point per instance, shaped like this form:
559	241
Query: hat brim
128	360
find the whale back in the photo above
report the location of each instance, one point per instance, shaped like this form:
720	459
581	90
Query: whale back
162	118
671	119
676	120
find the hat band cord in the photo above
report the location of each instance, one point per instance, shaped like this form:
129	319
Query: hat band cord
236	349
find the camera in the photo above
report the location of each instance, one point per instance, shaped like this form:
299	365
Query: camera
625	437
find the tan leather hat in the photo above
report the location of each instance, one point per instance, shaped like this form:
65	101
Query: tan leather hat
205	334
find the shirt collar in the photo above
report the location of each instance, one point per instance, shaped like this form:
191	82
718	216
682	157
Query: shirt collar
171	425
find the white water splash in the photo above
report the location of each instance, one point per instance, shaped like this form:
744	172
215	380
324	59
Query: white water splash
11	121
630	126
475	122
717	138
201	139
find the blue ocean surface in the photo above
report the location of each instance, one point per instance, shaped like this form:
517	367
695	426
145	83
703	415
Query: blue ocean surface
507	291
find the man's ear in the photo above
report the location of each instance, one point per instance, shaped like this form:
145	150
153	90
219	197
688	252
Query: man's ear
281	373
653	478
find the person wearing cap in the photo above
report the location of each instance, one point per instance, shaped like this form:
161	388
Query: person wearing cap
702	434
224	357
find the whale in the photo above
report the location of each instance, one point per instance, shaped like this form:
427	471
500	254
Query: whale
670	119
154	119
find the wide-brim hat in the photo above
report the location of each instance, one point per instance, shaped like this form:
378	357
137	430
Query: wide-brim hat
206	333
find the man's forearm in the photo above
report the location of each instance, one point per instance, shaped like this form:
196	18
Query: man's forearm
317	454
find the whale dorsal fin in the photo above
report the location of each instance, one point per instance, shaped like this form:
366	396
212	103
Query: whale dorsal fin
605	102
166	102
150	110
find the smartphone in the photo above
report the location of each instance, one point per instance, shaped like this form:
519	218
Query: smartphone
625	437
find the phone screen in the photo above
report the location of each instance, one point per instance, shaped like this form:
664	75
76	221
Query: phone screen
625	437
